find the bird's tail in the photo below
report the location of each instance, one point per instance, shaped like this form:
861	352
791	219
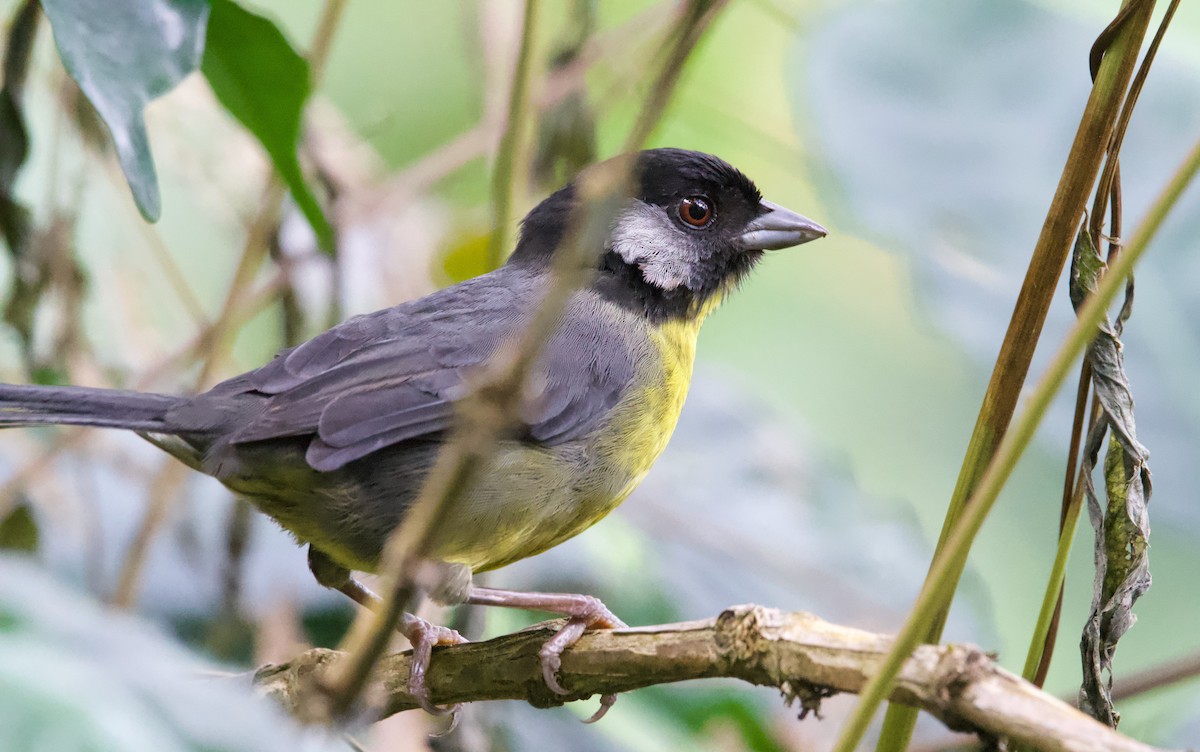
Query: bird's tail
22	405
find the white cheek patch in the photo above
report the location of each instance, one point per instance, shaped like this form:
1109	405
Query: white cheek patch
645	237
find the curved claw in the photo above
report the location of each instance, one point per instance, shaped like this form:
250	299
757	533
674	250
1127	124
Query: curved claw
551	654
606	702
454	715
437	710
424	636
551	663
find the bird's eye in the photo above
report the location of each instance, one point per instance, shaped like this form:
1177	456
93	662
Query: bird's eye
696	211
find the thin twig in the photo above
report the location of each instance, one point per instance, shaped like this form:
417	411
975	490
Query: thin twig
211	349
322	41
158	248
509	162
1041	646
1108	178
1157	677
695	19
70	437
254	252
163	489
435	166
1045	632
186	354
255	249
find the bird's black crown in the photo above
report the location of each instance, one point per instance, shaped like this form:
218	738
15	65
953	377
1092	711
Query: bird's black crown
675	247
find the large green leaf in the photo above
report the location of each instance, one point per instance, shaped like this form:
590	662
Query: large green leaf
74	676
263	83
123	54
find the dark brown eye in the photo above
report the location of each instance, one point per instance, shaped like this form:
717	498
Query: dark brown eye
696	211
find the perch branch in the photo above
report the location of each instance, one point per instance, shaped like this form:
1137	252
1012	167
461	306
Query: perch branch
805	657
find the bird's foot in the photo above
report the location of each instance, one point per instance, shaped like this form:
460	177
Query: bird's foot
424	636
583	612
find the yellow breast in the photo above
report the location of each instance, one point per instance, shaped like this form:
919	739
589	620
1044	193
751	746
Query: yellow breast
643	423
531	498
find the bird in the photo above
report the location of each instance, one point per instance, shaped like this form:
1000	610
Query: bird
334	438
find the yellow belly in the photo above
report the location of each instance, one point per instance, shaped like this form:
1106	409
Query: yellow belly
532	498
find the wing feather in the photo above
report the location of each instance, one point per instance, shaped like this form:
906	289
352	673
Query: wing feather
393	376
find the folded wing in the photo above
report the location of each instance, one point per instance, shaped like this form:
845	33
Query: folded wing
393	376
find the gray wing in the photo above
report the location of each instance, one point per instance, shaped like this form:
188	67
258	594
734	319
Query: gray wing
393	376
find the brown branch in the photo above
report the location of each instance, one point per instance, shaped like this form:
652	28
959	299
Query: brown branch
1156	677
805	657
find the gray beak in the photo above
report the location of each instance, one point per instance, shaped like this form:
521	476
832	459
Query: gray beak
779	228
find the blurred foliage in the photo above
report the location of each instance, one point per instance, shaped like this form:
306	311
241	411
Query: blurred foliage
18	530
466	258
15	219
14	139
810	472
75	677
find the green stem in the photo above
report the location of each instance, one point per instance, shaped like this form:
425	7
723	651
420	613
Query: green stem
949	563
1053	585
694	20
1108	192
1029	314
511	143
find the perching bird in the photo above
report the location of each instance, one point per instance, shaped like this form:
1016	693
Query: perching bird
334	438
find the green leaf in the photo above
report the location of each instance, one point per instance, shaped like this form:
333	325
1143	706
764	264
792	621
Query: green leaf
263	83
19	530
123	54
1086	268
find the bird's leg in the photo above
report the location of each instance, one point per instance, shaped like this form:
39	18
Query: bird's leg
420	633
583	612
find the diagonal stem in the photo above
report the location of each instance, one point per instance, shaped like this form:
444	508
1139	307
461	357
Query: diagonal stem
1113	74
939	586
512	143
1108	191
